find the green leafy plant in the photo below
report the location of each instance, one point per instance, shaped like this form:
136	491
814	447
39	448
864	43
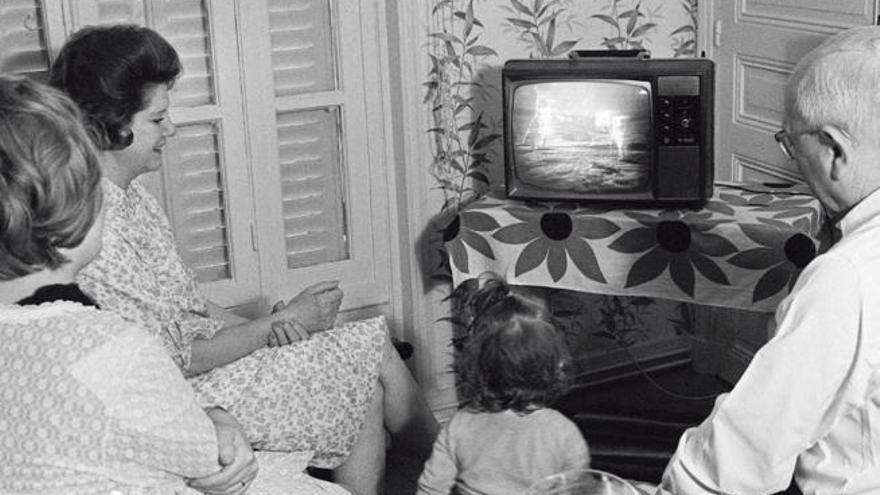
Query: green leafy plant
620	318
630	26
536	23
684	42
462	137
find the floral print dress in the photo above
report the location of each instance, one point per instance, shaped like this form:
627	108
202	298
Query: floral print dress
308	396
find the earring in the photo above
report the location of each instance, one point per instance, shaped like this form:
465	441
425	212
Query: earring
126	136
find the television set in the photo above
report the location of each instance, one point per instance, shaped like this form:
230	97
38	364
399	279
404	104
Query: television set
609	127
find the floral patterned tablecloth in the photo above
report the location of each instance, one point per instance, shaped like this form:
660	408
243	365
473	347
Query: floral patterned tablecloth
743	249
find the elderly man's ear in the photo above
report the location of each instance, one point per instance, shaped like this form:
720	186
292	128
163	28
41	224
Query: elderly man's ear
841	149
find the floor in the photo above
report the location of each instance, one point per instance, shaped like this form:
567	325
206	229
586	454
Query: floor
401	475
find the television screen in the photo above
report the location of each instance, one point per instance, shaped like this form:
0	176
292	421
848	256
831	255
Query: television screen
585	136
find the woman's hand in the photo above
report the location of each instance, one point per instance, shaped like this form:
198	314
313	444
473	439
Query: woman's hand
315	307
238	465
286	332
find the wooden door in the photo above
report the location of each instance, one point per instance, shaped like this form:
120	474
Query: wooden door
756	44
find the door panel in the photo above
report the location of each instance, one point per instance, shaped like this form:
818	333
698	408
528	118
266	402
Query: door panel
821	14
757	43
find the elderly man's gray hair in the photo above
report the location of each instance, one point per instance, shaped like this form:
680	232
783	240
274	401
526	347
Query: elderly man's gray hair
838	84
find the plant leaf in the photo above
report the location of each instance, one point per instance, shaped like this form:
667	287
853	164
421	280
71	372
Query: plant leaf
641	30
439	5
551	33
485	140
480	176
481	51
607	19
469	18
683	29
563	47
522	8
448	37
522	23
542	46
631	24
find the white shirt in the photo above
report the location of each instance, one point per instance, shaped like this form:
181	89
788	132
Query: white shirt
809	402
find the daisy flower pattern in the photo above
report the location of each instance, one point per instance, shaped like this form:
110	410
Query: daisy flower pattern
680	242
743	249
456	238
556	234
782	262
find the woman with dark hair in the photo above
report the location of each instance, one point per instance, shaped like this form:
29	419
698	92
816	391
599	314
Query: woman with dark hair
90	403
293	382
511	368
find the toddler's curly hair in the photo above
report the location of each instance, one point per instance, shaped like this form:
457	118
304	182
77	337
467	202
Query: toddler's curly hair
514	357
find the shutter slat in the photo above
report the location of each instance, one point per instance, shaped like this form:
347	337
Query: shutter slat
312	205
23	48
200	208
301	46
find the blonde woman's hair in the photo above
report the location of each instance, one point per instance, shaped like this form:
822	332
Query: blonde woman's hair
49	177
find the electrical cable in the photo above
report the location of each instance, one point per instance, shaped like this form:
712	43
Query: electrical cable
656	384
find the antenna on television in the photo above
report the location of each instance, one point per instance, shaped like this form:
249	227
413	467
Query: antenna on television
637	54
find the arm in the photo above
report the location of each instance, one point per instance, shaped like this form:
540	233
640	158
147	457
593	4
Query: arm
228	318
438	476
155	417
238	465
229	344
575	450
312	310
786	400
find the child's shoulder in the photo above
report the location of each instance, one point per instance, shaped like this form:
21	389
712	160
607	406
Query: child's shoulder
541	414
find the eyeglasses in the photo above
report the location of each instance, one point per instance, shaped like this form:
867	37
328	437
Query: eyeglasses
783	137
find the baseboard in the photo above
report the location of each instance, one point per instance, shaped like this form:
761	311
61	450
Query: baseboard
616	365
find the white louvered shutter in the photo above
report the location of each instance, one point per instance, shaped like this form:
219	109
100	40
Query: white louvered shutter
310	151
321	196
313	204
303	58
23	46
200	210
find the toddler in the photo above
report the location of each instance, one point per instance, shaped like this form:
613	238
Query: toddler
504	437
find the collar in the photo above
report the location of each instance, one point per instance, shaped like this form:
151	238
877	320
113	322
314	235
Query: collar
861	213
112	192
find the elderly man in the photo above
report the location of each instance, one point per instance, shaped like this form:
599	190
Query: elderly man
809	403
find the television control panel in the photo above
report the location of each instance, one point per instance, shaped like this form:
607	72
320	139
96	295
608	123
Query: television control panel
678	120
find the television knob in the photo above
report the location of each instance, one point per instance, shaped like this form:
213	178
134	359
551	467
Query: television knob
666	129
686	122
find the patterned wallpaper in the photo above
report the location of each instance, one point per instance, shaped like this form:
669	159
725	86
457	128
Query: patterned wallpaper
471	40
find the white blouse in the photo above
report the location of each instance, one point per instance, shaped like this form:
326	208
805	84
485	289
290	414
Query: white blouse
92	404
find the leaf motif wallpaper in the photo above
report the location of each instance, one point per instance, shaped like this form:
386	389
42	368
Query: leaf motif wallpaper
469	42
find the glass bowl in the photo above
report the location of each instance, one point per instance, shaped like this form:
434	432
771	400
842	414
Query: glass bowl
582	482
